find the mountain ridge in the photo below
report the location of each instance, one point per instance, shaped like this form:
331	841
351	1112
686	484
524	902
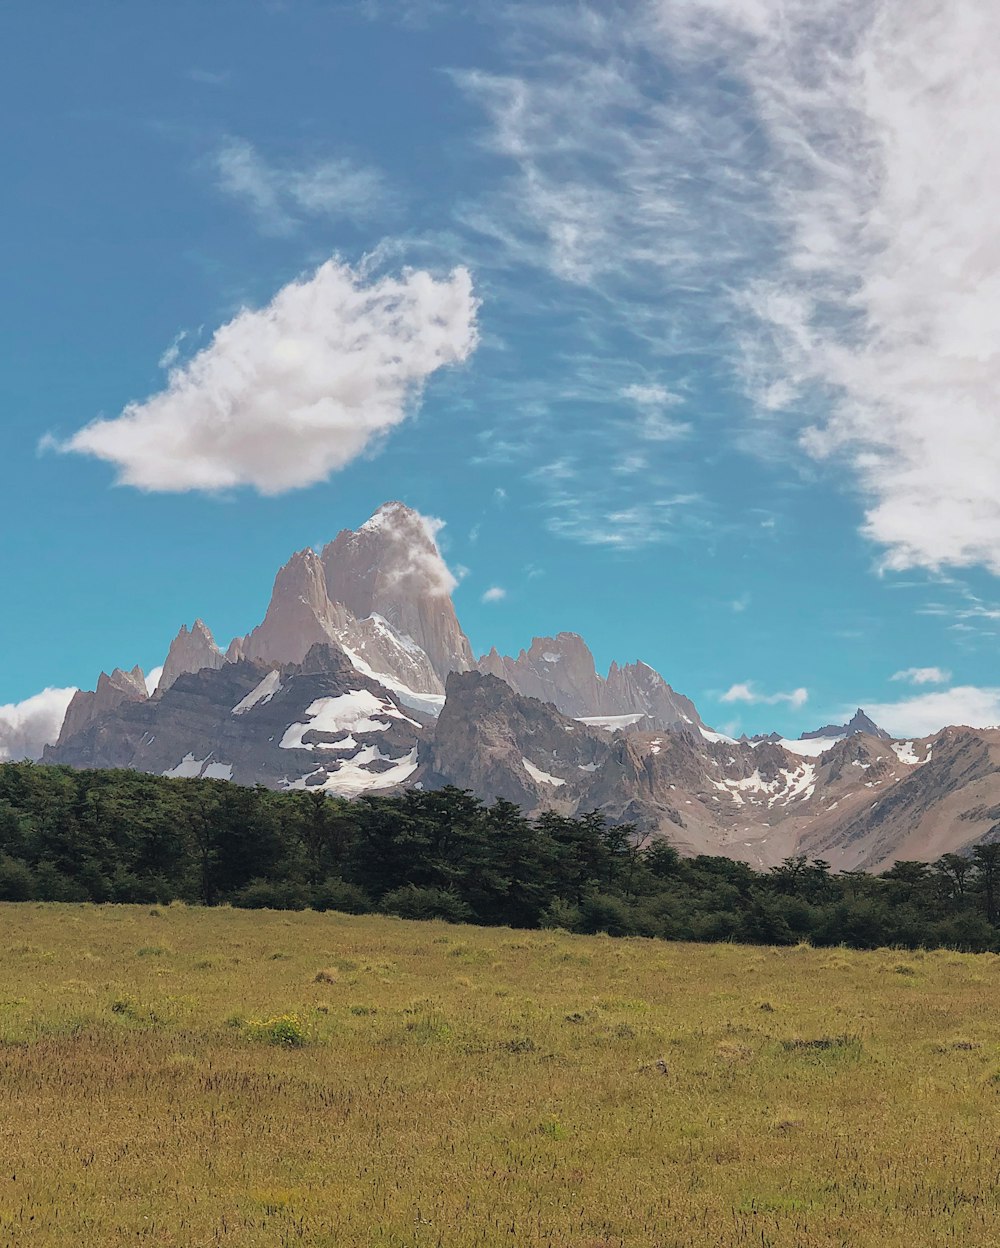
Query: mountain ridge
360	679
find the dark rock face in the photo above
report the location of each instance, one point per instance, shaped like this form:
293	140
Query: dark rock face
315	724
561	670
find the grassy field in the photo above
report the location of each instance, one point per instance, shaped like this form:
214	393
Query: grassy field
196	1077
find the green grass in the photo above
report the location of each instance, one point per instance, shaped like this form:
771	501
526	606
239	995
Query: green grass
200	1077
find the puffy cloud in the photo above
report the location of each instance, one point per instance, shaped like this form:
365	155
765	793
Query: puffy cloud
285	395
409	554
494	594
923	675
745	692
280	196
926	713
153	679
27	727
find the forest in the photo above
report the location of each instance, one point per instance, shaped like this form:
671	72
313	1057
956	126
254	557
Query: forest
122	836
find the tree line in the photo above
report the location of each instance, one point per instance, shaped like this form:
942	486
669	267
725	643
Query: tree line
122	836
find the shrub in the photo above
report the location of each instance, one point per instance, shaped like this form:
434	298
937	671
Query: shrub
285	1030
272	895
339	895
16	880
561	914
606	914
411	902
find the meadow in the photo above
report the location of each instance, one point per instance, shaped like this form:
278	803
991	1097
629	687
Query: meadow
187	1076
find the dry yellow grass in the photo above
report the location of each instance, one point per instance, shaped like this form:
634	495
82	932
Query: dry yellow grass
188	1077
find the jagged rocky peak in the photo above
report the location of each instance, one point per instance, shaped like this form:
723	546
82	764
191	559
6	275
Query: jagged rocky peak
86	707
299	616
561	670
639	687
191	650
859	722
556	669
391	567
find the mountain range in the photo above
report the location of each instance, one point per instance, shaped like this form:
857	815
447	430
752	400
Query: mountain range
359	679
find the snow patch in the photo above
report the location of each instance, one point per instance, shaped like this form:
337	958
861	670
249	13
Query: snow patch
218	771
905	753
427	703
549	657
348	712
812	748
716	737
611	722
191	768
262	693
187	768
543	777
353	777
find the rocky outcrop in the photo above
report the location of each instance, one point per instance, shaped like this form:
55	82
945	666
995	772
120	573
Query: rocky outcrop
391	567
502	744
112	691
561	670
190	651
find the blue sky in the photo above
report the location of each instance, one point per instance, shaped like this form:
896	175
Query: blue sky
683	323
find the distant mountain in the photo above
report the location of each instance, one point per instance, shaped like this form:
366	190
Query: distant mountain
359	680
858	723
561	670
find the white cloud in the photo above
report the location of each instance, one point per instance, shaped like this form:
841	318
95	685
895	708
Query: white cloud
27	727
285	395
745	692
494	594
653	401
153	679
883	172
923	675
815	196
926	713
281	196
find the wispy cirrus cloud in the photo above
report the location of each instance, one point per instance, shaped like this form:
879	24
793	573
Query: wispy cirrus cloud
282	195
805	188
287	394
653	402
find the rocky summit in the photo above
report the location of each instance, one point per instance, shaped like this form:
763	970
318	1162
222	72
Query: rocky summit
360	680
